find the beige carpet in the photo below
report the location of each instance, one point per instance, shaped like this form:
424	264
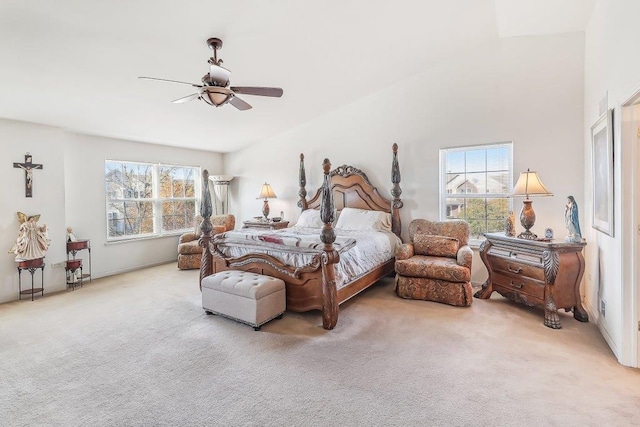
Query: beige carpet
137	349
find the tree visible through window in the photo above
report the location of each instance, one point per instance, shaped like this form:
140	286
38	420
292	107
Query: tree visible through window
146	199
474	185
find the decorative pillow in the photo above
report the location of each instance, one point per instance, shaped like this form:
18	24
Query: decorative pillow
363	220
428	244
310	218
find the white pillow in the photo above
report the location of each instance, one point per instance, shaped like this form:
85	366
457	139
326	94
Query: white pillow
364	220
310	218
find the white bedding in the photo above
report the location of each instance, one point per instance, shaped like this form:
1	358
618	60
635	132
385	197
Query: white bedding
360	251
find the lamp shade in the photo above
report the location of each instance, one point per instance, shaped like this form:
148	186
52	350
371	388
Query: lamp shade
215	95
267	192
529	184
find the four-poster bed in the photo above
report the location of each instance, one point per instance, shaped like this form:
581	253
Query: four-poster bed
307	268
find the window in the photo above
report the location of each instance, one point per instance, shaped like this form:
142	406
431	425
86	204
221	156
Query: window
145	199
474	185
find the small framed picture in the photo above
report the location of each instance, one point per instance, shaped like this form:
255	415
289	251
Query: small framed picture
548	233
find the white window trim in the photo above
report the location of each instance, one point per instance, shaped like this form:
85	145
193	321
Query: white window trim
473	242
157	202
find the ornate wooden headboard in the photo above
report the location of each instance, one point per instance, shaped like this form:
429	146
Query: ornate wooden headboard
351	188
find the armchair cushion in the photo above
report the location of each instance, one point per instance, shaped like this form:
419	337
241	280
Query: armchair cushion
228	221
441	268
458	229
187	237
189	248
427	244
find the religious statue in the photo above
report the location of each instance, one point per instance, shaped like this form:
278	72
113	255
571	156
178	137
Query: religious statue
33	239
510	225
571	221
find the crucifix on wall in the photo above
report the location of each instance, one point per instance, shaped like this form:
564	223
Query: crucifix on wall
28	166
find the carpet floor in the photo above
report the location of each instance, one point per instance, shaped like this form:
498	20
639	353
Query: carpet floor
137	349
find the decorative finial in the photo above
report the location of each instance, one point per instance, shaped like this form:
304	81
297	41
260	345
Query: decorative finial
326	166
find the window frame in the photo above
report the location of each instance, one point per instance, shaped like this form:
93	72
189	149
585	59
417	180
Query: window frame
444	195
156	201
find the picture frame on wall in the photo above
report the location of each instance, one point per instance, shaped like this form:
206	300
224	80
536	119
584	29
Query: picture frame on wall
602	172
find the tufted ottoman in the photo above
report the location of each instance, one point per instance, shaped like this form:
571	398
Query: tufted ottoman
250	298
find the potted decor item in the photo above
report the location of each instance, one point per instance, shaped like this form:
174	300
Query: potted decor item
32	242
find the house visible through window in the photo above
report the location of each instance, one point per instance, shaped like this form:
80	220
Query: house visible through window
474	185
145	199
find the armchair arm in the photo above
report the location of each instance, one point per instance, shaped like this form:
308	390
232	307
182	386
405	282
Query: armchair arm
187	237
465	256
404	251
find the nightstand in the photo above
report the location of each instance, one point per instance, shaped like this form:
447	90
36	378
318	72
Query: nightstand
544	274
266	225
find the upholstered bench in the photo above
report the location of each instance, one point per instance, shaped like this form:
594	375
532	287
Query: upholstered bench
250	298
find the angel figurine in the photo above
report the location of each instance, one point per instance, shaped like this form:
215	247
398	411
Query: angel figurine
33	239
571	221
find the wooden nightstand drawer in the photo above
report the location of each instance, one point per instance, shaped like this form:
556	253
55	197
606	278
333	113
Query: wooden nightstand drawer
520	285
267	225
503	265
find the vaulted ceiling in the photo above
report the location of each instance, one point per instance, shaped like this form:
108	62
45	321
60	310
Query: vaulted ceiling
74	64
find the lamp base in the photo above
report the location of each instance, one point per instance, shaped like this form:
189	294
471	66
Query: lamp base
265	210
527	219
527	235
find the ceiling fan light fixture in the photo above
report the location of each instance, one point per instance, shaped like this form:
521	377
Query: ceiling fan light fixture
214	89
216	96
218	99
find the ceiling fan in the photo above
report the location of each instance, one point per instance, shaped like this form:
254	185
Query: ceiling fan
215	89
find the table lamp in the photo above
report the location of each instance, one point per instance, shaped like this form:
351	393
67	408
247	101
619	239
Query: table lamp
529	184
266	193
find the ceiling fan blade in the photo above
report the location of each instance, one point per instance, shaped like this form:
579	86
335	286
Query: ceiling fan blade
170	81
219	75
239	103
186	98
261	91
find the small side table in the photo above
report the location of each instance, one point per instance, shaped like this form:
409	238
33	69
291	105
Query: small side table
266	225
31	266
70	267
74	247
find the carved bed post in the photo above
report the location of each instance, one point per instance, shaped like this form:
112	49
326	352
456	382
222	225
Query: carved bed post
302	179
205	227
330	256
396	191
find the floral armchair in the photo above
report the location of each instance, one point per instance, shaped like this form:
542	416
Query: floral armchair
189	252
436	265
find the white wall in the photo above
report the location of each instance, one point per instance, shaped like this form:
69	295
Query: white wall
46	145
527	90
611	66
69	191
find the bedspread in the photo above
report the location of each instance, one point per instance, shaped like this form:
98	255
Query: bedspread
360	251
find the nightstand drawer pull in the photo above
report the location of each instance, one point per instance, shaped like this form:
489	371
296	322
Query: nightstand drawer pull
517	285
517	270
